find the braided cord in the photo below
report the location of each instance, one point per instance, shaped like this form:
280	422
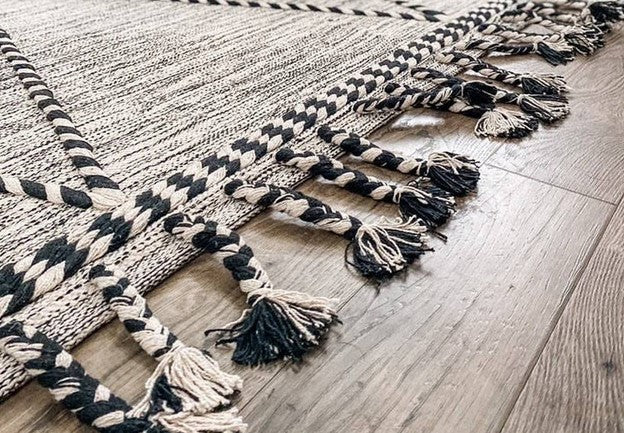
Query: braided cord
226	245
56	370
79	150
333	170
297	205
134	313
424	15
371	153
51	192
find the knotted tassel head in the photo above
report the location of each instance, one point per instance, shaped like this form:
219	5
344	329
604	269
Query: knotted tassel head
478	92
454	173
414	203
280	325
543	84
498	122
547	108
382	250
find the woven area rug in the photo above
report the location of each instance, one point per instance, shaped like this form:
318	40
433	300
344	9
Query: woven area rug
167	91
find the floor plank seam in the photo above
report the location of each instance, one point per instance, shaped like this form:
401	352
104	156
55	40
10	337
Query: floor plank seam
558	314
563	188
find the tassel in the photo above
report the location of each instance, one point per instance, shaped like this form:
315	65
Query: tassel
547	108
492	121
279	324
226	422
378	251
456	174
503	123
529	82
606	12
187	380
413	203
555	53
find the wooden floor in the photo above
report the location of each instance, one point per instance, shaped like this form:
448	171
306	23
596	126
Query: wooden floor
514	325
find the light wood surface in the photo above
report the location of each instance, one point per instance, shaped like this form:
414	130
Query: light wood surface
513	325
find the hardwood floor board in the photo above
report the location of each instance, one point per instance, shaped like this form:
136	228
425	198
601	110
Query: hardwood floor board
584	152
577	384
445	347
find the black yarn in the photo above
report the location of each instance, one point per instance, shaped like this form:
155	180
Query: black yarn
267	335
607	11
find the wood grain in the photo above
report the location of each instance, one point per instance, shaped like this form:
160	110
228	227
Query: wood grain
578	382
578	153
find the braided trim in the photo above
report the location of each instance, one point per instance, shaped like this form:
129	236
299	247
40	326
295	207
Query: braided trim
104	190
227	246
456	174
529	82
413	203
55	369
420	15
34	275
556	53
51	192
547	108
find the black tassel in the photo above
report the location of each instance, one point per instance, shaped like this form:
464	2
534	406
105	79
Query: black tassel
553	55
605	12
266	333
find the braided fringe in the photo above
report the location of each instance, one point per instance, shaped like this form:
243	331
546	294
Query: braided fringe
378	251
549	84
420	15
188	385
555	53
105	192
456	174
492	121
547	108
585	38
55	369
413	203
279	324
38	273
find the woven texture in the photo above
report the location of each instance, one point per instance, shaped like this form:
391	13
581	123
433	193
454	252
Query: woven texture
154	86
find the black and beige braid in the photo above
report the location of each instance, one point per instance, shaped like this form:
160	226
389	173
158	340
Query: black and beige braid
547	108
104	190
419	15
280	324
378	250
51	192
55	369
529	82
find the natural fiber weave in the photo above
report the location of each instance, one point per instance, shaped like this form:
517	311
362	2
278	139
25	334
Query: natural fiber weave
154	86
